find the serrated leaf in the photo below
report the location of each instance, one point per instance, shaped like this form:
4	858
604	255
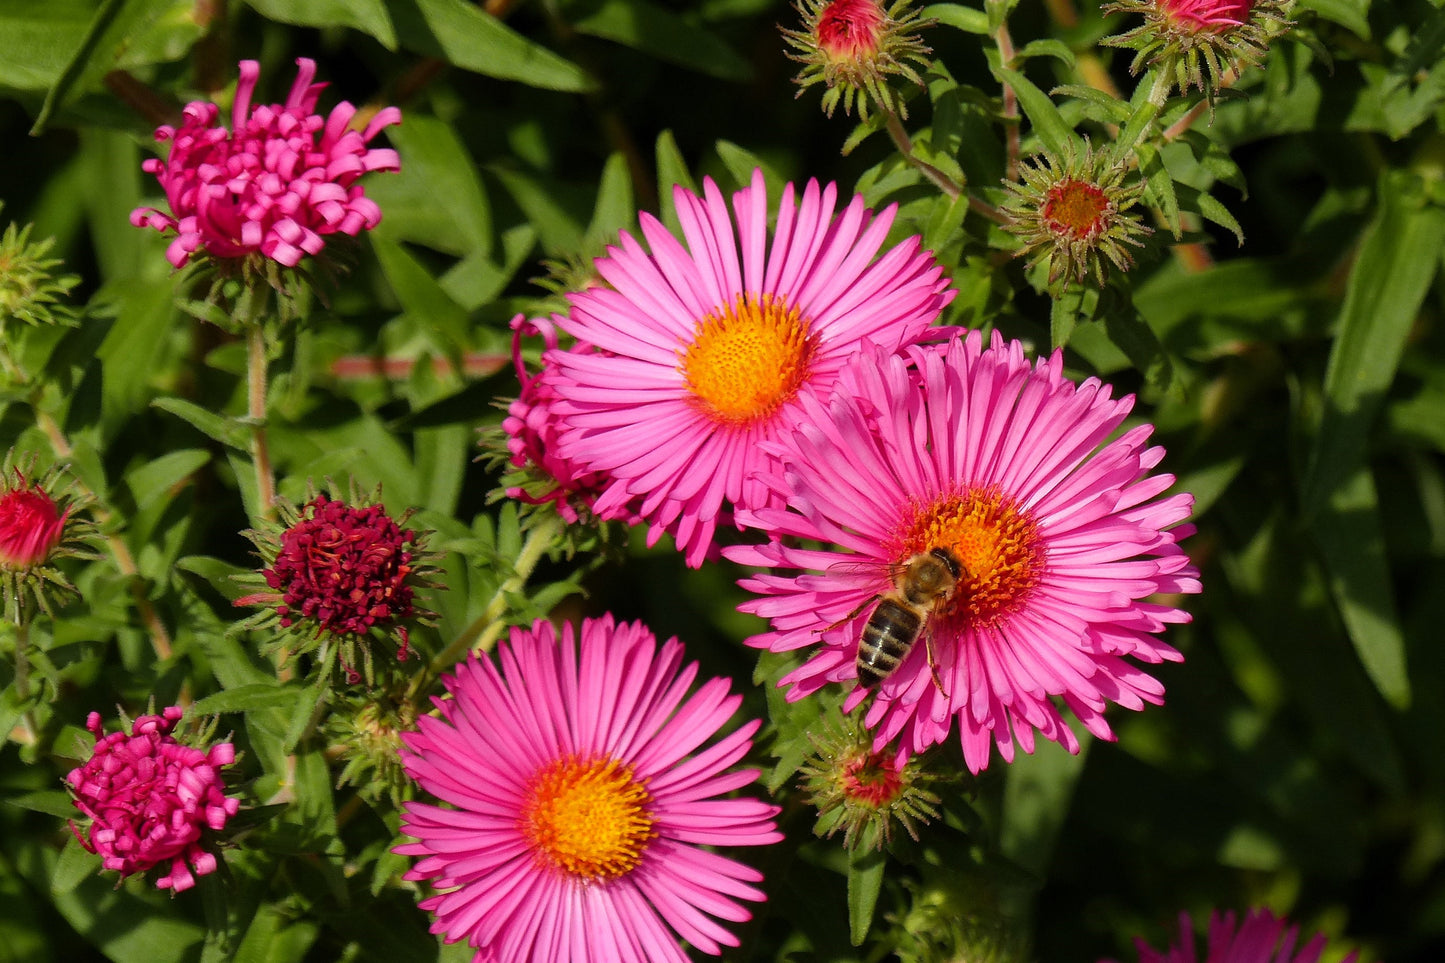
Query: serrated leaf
216	427
464	35
866	868
368	16
220	575
1211	208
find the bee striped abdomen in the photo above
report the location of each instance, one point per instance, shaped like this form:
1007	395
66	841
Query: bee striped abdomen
887	638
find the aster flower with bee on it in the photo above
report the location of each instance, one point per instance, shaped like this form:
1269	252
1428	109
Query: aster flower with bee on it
337	577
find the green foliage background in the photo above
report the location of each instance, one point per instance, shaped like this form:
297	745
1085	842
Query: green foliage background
1298	381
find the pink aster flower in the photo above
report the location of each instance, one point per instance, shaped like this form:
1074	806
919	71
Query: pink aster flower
1054	532
31	523
1262	938
149	798
275	184
705	352
577	802
534	430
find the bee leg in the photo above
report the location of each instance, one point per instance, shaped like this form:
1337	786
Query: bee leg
853	614
933	664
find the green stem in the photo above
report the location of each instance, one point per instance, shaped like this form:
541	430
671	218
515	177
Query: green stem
487	627
256	409
22	674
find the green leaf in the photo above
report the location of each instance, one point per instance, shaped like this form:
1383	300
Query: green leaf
672	170
1048	123
441	320
1211	208
247	697
74	865
368	16
131	350
558	229
121	34
1383	297
1159	187
220	575
1350	14
276	937
958	17
1352	546
1387	285
157	479
865	881
227	431
437	198
616	209
52	802
467	37
1036	803
1048	47
36	39
662	34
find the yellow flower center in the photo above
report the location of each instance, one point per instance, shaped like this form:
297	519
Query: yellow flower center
747	360
588	819
1000	554
1075	209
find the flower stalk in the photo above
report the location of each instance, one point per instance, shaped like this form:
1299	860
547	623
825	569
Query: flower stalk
256	378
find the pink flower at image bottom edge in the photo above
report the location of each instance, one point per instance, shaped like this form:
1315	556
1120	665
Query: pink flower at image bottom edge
576	801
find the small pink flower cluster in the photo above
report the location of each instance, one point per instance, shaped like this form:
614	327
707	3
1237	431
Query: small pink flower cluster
275	184
31	525
149	798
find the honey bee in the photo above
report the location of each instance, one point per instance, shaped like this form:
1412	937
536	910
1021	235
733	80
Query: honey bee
921	587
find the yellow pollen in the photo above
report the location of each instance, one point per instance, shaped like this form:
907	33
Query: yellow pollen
1076	208
999	552
588	819
747	359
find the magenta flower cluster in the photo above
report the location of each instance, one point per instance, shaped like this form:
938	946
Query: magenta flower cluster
275	184
149	799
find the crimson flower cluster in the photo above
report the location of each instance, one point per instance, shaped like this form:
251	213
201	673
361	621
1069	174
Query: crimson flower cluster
31	525
274	185
149	799
343	567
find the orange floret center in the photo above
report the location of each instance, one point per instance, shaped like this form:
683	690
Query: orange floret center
1076	209
588	819
997	544
747	360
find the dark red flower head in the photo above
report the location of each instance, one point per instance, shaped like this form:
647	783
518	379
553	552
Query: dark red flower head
343	567
149	798
31	525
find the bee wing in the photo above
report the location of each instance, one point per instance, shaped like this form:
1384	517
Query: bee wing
859	569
